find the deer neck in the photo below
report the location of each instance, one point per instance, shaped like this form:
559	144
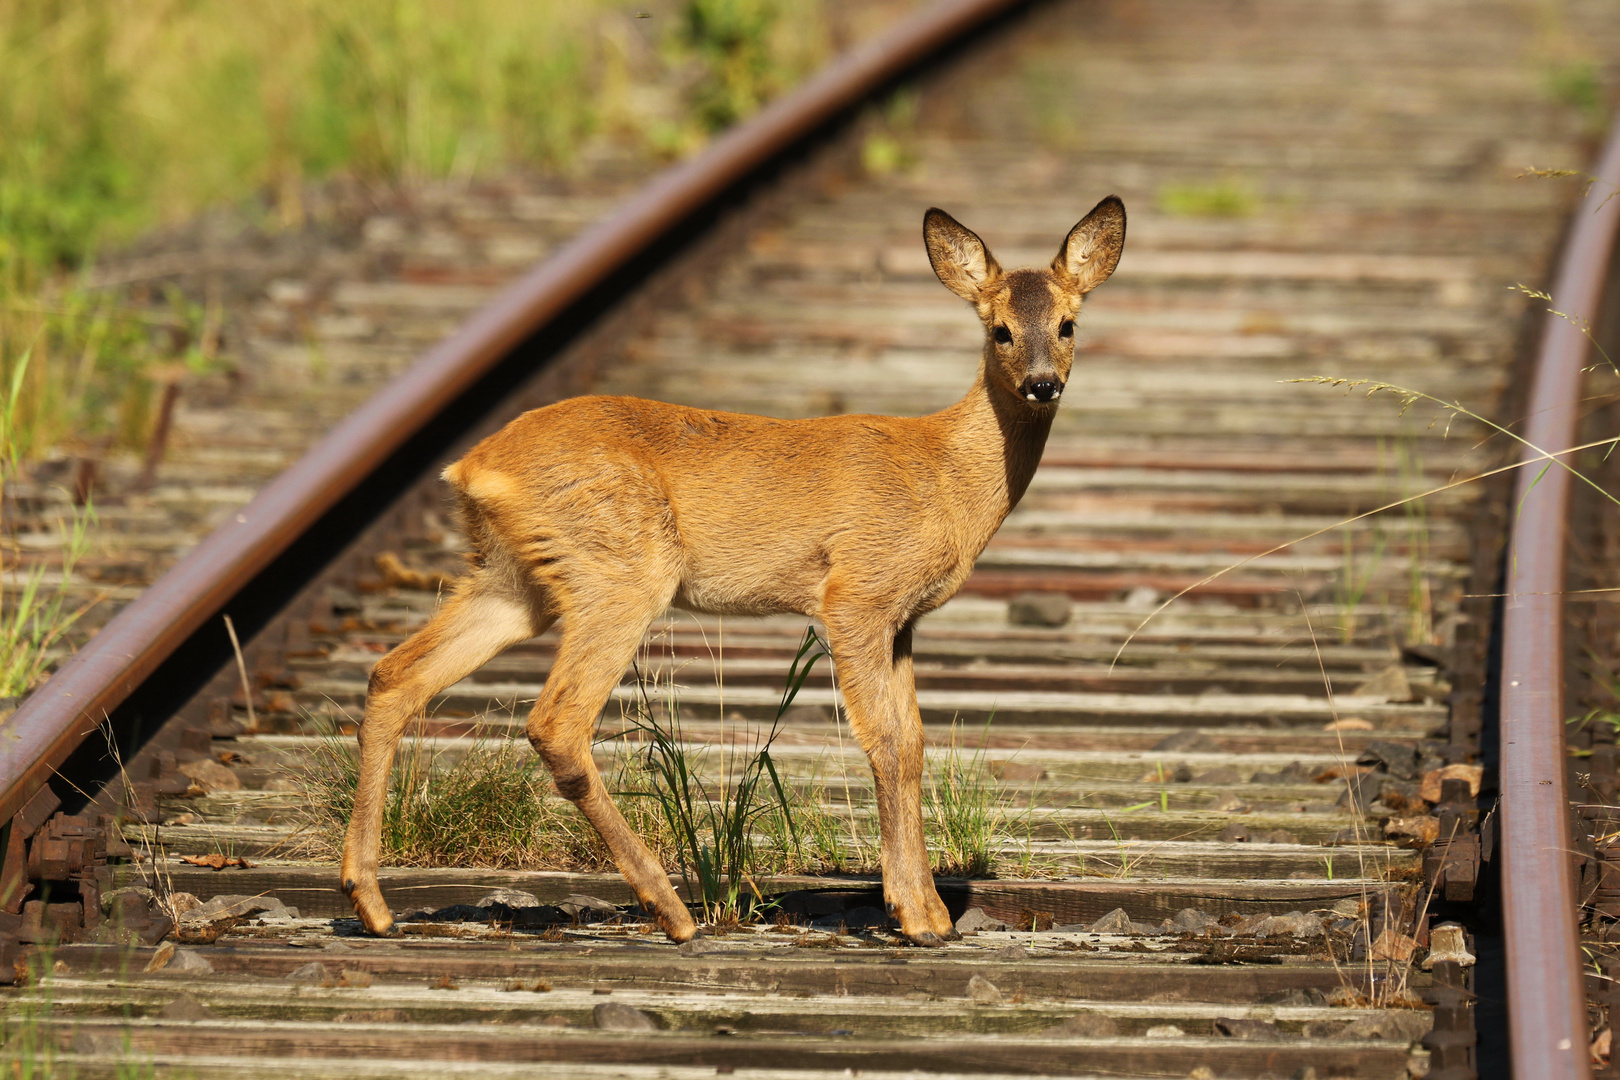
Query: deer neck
994	444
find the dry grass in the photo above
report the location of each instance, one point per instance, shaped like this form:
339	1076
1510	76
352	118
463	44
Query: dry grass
476	802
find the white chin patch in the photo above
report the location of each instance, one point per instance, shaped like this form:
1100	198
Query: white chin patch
1031	397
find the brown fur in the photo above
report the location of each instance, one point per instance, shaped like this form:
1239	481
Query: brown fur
604	511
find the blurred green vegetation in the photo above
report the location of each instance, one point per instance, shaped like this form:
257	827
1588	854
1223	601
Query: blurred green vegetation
116	117
1227	197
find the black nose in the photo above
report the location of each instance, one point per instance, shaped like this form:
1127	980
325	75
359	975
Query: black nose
1041	389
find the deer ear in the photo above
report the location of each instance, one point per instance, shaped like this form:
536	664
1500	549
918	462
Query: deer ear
1091	250
959	257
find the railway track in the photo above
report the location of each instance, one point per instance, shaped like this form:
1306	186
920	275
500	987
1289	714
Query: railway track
1238	836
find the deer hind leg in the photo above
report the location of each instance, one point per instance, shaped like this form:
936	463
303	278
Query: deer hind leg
880	697
474	625
597	645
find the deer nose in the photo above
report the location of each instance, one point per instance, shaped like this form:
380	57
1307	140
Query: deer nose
1041	389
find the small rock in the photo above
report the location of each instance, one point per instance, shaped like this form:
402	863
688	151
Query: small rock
1348	723
313	973
1230	804
1297	772
238	907
1398	759
1235	833
111	900
1277	836
188	962
181	902
588	908
1244	925
510	898
1142	598
185	1007
1347	908
1388	685
210	775
354	979
1084	1025
983	991
1115	922
613	1016
1189	741
1295	923
1448	942
1039	609
1404	796
975	919
1011	952
1190	921
696	947
1429	790
1219	777
1344	997
1201	1072
1164	1031
1246	1029
1396	1025
1360	791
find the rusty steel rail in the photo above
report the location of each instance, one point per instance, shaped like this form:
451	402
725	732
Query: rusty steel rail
189	599
1546	999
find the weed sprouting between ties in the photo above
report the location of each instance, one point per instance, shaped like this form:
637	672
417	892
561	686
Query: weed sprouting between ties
962	800
34	611
714	831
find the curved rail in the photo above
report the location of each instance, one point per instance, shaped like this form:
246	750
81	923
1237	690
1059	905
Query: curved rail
149	632
1546	996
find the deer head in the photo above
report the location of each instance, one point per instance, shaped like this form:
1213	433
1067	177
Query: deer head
1028	315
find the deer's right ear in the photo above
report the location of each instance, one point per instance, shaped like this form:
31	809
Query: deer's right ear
959	257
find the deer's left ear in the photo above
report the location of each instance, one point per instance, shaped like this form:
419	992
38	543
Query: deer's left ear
1091	250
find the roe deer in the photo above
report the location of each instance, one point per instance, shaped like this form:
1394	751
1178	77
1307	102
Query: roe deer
605	511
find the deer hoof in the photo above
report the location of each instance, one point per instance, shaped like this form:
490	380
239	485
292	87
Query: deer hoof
372	910
678	926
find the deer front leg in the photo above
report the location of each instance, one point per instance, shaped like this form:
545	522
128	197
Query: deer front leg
590	659
880	696
471	628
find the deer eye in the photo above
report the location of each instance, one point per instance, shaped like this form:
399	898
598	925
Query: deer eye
1002	335
1066	328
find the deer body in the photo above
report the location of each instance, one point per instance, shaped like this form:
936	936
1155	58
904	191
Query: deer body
604	511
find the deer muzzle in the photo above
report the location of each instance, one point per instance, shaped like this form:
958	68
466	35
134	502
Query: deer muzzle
1041	389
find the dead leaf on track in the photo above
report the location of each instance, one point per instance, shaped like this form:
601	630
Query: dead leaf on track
216	861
